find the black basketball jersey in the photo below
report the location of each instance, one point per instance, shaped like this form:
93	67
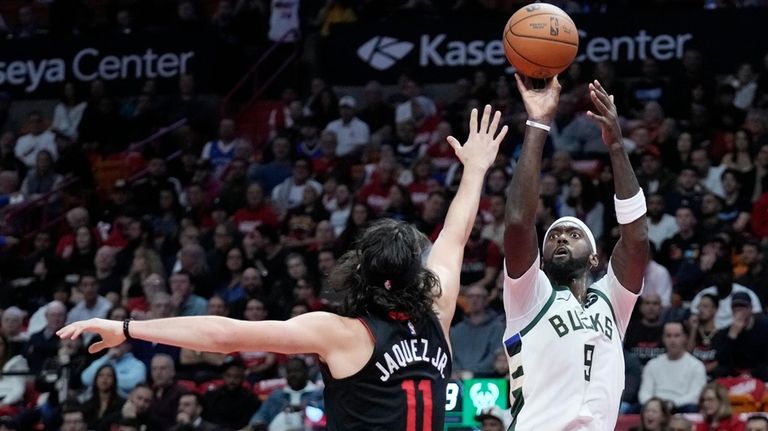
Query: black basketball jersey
402	387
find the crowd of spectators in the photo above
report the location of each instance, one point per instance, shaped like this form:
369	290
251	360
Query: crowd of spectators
226	227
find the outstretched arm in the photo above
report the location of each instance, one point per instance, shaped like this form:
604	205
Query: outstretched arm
445	258
308	333
520	243
630	256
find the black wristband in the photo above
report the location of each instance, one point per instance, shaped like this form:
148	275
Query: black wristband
126	332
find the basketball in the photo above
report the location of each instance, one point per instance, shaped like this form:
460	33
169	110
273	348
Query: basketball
540	40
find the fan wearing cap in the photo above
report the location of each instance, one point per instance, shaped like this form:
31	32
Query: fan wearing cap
352	134
564	335
493	419
741	346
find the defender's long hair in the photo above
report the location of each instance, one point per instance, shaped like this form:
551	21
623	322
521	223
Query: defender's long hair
383	273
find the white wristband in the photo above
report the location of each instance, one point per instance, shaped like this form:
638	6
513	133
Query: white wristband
629	210
537	125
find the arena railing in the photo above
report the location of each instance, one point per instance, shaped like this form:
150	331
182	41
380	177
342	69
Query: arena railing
228	104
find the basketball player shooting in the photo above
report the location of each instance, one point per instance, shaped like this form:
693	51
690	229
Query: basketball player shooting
564	336
387	361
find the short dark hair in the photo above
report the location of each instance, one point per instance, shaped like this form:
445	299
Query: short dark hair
682	325
715	300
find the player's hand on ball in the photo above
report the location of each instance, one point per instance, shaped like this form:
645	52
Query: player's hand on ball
111	332
605	114
540	103
479	152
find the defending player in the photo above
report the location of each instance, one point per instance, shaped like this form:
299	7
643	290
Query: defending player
564	337
387	363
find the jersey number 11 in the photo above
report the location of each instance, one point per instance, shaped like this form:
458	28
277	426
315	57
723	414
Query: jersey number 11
424	390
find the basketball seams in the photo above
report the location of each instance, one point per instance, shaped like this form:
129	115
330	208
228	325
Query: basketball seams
533	62
543	13
512	47
524	36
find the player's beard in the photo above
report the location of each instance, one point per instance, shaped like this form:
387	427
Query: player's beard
563	272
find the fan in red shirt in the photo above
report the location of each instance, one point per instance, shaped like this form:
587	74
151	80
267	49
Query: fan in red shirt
256	211
375	194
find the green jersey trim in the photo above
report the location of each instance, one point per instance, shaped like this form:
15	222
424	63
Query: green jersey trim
541	314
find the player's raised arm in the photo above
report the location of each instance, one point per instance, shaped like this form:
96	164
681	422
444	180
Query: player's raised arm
630	255
477	155
520	244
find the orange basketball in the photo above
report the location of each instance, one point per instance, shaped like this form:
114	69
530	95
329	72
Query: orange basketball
540	40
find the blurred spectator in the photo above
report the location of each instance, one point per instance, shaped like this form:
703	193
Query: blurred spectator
702	332
27	25
711	221
757	422
42	179
129	370
73	419
221	151
230	405
12	387
482	259
657	280
183	299
679	423
146	191
684	246
289	194
737	202
135	408
686	192
230	288
376	113
38	139
45	343
675	376
275	170
644	335
725	289
494	419
654	416
109	282
68	112
716	410
189	415
475	339
582	202
166	390
741	347
12	328
375	194
352	134
756	275
80	257
708	175
284	408
104	399
92	305
494	230
740	158
257	211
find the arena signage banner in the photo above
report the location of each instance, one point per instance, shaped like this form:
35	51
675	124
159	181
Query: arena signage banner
36	68
447	48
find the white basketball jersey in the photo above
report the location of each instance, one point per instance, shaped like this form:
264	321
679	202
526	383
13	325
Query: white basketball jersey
565	359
